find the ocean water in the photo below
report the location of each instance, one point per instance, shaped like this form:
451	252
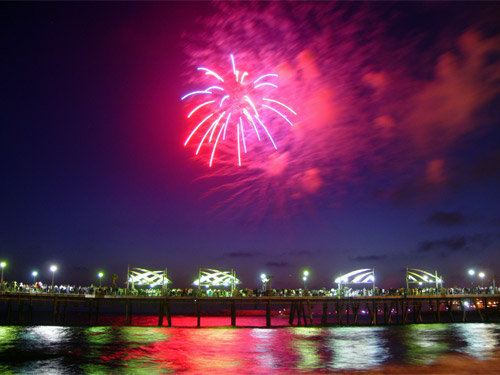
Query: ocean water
423	348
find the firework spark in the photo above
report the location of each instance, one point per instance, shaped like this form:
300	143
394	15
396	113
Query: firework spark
239	99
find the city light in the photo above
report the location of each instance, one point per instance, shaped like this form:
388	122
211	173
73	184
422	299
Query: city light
100	275
34	274
472	272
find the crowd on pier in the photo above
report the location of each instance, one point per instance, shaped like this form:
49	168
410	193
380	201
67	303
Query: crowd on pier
39	287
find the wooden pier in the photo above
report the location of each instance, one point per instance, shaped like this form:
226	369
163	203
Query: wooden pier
22	308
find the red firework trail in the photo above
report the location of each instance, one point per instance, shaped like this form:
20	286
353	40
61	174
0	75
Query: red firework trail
235	103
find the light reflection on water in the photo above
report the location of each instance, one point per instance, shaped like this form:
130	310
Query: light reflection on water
427	343
481	340
358	347
151	350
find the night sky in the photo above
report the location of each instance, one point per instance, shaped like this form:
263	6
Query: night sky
393	159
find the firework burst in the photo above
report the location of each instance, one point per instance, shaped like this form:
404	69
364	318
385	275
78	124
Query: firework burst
234	109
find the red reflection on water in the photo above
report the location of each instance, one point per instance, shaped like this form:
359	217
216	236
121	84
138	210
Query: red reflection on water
191	321
212	350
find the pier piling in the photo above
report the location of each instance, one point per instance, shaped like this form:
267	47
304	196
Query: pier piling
233	313
198	313
268	314
292	312
324	317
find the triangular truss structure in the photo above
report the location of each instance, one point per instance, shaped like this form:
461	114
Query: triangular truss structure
141	276
361	276
421	277
212	278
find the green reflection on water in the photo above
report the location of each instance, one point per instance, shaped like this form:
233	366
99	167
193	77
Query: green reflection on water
130	349
143	335
100	335
305	343
8	337
105	369
425	343
190	350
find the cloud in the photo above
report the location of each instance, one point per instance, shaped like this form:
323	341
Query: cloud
302	252
435	172
368	115
376	80
495	221
437	176
243	254
80	268
421	122
441	218
456	243
307	65
369	258
385	123
277	264
451	243
464	81
421	187
311	180
488	166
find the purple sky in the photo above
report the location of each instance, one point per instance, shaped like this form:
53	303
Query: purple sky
393	159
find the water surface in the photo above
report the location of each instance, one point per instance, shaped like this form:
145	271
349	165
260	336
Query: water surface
151	350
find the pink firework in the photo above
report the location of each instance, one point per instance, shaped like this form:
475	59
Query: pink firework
233	108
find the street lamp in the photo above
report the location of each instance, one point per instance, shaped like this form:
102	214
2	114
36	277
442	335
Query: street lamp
481	275
53	268
305	274
471	274
100	275
2	265
34	274
266	281
263	278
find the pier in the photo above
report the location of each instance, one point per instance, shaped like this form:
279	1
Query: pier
58	309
